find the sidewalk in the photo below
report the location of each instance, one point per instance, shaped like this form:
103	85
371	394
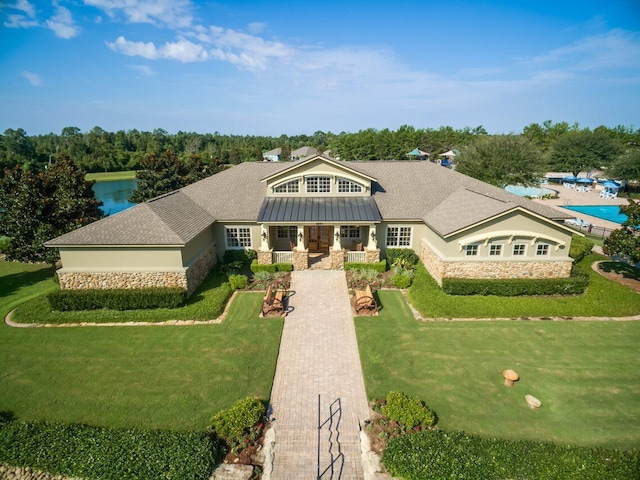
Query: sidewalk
318	356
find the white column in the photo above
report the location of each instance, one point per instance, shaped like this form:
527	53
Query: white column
264	238
372	243
337	240
300	238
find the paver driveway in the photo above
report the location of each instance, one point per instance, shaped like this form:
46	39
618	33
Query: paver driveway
318	356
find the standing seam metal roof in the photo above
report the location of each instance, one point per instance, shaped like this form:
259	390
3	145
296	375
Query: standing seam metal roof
315	209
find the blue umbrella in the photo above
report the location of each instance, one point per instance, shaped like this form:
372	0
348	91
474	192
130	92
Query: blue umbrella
585	180
569	178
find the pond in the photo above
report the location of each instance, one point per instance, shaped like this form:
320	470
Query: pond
115	195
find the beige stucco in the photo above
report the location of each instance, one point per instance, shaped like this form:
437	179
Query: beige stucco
220	235
319	168
126	258
193	250
419	231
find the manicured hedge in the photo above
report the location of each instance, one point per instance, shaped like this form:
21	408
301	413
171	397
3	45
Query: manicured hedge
405	255
117	299
576	284
580	248
108	454
379	267
433	454
271	268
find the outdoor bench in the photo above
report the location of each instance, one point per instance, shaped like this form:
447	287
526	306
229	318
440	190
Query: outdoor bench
364	300
273	300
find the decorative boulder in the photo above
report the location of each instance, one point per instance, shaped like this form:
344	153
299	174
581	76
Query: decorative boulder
532	401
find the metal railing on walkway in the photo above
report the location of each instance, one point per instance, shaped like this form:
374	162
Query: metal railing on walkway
336	457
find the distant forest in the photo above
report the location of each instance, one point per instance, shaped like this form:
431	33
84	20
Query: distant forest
102	151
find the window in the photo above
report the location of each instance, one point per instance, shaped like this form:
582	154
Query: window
471	250
292	186
347	186
238	237
318	184
542	249
399	236
519	250
350	231
287	233
495	250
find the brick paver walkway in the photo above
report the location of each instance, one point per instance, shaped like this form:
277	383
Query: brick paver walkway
318	356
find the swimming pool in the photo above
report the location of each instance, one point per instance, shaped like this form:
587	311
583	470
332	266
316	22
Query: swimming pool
605	212
529	191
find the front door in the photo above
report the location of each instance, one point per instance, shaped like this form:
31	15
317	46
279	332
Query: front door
319	237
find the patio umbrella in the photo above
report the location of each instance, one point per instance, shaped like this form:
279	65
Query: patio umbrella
585	180
612	185
569	178
417	153
450	153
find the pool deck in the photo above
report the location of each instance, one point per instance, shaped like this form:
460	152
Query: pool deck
570	197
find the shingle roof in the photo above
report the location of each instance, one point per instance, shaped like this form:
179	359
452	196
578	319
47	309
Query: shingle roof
404	190
314	209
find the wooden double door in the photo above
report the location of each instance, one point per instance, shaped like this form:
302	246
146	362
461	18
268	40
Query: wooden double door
319	237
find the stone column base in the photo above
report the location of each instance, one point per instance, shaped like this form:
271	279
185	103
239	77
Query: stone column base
337	258
300	259
372	256
265	257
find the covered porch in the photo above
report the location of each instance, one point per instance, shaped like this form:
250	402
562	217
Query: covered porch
295	230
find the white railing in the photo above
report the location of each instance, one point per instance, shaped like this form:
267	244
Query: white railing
282	257
355	257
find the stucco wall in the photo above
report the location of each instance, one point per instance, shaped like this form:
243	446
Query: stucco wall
420	231
142	258
220	235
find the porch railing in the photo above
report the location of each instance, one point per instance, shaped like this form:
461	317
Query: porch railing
282	257
355	257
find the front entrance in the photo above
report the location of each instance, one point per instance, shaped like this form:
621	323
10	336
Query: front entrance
319	237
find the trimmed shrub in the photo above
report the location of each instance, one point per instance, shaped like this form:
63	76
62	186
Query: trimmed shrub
284	267
580	248
110	454
511	287
238	282
255	267
4	244
401	280
243	256
379	267
232	268
234	423
434	454
117	299
404	257
409	412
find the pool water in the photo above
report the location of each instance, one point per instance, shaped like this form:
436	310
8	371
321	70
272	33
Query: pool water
605	212
529	191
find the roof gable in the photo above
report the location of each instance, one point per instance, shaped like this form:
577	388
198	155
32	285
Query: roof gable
302	165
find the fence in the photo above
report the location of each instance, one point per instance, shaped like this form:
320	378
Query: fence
282	257
355	257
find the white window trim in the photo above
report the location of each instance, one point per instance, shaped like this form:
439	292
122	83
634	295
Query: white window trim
319	177
350	184
281	184
476	251
545	254
397	245
491	246
519	244
349	229
239	246
292	232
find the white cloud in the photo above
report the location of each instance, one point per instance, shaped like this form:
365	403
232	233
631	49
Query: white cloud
182	50
62	23
33	78
26	7
26	19
256	27
172	13
143	69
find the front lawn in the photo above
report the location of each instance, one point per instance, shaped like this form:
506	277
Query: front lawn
602	298
585	373
149	377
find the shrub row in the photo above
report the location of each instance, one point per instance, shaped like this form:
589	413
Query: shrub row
108	454
234	424
432	454
580	247
405	257
574	285
271	268
379	267
117	299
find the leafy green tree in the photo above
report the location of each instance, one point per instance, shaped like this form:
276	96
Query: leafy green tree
584	150
625	241
37	207
626	167
166	172
502	160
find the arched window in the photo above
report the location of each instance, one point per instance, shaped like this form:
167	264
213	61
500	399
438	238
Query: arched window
292	186
347	186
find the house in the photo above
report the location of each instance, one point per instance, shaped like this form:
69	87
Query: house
348	211
298	154
272	155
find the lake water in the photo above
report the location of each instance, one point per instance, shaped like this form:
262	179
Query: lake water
115	195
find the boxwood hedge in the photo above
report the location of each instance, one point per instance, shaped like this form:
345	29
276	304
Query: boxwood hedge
117	299
379	267
108	454
271	268
433	454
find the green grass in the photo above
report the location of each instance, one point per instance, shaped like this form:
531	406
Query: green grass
602	298
585	374
148	377
23	281
110	176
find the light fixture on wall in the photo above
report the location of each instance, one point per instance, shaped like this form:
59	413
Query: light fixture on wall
300	236
373	235
264	235
337	235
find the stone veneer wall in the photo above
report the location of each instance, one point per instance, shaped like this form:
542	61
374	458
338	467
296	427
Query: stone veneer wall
371	256
265	257
189	278
492	270
300	259
336	258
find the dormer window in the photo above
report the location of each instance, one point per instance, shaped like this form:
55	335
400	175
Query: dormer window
292	186
347	186
318	184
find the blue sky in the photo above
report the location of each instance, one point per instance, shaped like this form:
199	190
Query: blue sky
294	67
